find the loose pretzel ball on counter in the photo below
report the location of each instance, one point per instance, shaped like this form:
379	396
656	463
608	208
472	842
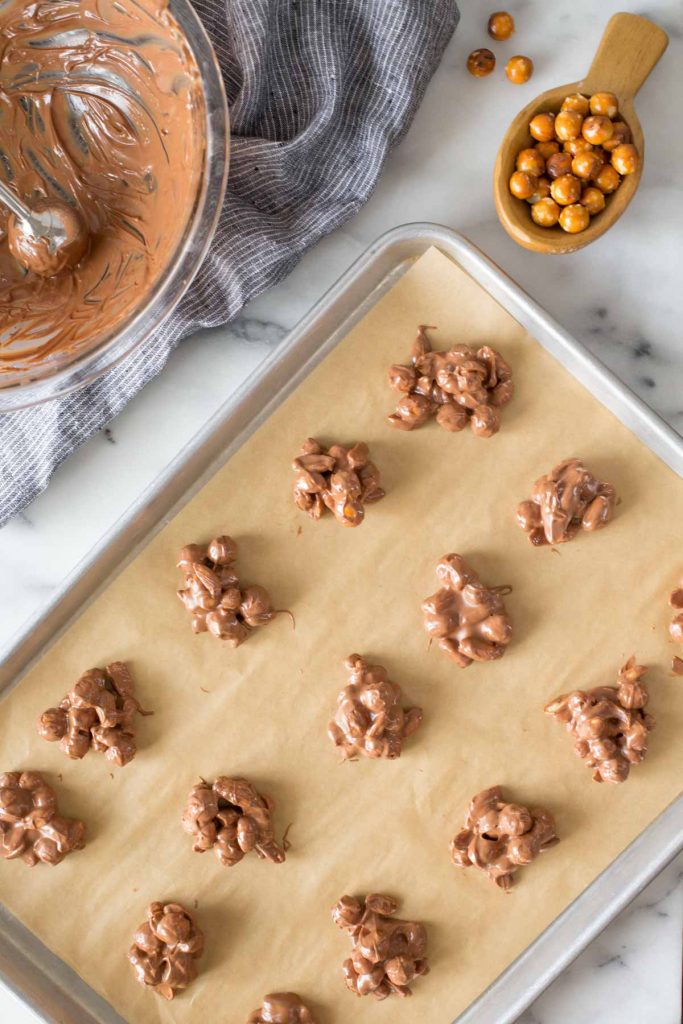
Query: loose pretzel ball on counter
559	164
586	165
566	190
620	135
574	218
542	127
501	25
607	179
576	101
568	125
531	162
481	63
593	199
547	149
542	190
546	212
522	185
597	129
625	159
519	69
604	103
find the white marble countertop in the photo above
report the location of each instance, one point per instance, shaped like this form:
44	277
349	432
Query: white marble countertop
622	297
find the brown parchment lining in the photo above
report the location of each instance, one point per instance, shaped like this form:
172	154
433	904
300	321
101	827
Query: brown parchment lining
262	710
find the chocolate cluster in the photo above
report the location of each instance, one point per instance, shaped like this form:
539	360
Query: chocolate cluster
388	953
369	719
30	824
609	723
282	1008
501	837
466	617
231	818
344	480
459	386
566	500
165	948
676	624
213	596
98	713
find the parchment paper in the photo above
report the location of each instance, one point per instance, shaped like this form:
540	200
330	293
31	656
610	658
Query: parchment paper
262	710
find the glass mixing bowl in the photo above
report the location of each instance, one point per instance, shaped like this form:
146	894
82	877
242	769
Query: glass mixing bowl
51	379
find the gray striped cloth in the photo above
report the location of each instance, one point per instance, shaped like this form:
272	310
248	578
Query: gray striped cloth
319	90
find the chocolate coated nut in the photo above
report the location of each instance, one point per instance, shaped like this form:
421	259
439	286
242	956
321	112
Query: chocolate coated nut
466	617
165	948
282	1008
231	818
213	596
676	625
565	501
369	719
501	837
455	386
388	953
609	723
344	480
99	713
30	825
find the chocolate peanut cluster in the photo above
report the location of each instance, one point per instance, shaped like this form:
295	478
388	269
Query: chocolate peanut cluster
282	1008
676	624
231	818
99	713
500	837
459	386
213	596
468	618
369	719
609	723
568	499
344	480
30	824
165	948
388	953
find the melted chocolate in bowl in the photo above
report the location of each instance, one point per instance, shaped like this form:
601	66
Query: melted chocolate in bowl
101	108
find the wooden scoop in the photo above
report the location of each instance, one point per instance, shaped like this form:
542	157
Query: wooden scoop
628	51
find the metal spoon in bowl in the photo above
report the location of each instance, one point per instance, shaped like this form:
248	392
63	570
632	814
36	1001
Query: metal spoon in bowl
628	51
45	238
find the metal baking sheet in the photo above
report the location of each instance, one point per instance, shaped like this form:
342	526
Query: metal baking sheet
48	986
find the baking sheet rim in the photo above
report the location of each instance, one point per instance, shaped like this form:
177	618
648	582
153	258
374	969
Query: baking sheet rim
394	250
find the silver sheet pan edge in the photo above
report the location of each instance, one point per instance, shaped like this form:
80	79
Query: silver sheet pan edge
54	991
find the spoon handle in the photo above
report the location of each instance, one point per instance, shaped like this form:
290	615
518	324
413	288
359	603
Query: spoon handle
9	199
628	51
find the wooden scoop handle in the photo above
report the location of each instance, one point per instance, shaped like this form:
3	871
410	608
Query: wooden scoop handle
628	51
